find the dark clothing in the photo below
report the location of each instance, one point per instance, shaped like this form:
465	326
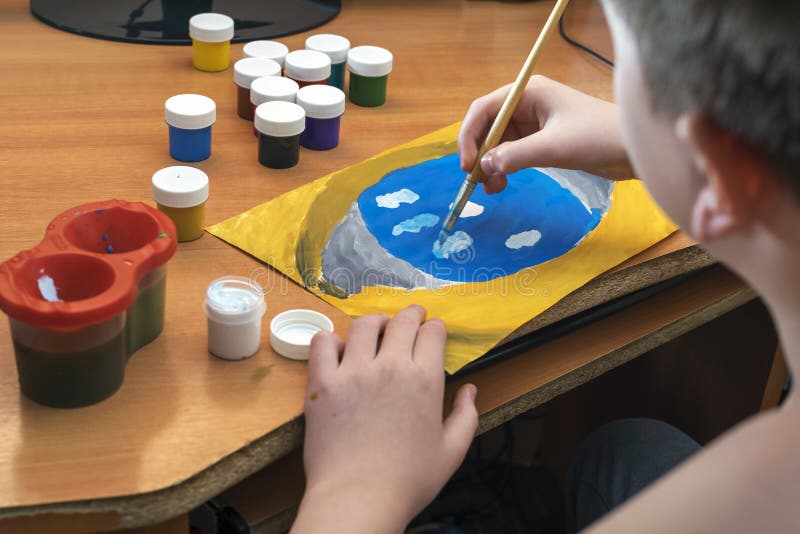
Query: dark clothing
617	461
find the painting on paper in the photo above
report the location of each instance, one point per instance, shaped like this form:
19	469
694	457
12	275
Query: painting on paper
365	239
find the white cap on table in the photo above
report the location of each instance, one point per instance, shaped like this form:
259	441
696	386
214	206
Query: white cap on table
292	330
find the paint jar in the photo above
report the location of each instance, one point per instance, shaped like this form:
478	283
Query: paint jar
308	67
291	332
245	71
234	308
189	118
271	89
279	126
369	68
73	300
266	49
211	35
181	193
336	48
324	106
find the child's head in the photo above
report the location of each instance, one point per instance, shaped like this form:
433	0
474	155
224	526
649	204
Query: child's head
709	96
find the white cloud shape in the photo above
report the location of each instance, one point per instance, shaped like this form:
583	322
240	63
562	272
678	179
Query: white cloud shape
393	200
471	209
454	243
523	239
415	224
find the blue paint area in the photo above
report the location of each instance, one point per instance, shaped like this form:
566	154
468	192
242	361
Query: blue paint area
105	237
110	249
532	201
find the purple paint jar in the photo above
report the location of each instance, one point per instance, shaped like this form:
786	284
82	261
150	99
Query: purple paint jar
272	89
279	127
324	105
245	71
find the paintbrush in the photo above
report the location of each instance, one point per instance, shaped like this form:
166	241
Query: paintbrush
500	123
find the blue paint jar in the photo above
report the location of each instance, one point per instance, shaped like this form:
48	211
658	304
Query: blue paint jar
336	48
279	126
324	106
189	118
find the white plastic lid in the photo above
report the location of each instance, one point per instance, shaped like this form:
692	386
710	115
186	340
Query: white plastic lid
250	68
334	46
211	27
291	332
190	112
321	101
234	300
371	61
270	88
280	119
267	49
180	186
308	65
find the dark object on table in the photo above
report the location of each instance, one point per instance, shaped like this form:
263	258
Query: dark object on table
167	21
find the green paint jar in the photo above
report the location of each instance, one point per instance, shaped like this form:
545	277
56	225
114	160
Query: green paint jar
369	68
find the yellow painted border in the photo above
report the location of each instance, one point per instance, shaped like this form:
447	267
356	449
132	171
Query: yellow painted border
289	233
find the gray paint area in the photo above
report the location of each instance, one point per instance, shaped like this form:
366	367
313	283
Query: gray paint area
593	191
353	259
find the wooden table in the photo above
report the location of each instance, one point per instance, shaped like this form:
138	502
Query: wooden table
82	120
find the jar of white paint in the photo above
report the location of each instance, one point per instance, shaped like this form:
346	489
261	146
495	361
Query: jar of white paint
234	307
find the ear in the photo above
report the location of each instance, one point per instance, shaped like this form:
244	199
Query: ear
735	176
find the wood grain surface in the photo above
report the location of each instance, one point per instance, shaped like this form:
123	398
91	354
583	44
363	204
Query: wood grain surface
82	120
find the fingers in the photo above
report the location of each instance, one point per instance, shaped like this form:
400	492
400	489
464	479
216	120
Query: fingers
535	150
476	125
324	359
495	183
401	332
460	425
429	346
362	339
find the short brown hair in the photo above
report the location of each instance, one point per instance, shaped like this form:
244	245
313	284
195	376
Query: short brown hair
736	61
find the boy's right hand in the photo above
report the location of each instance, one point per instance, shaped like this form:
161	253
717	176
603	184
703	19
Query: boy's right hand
552	126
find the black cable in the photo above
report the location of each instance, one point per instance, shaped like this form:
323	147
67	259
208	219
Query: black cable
581	46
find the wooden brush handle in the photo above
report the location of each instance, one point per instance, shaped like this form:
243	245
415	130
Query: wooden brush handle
509	105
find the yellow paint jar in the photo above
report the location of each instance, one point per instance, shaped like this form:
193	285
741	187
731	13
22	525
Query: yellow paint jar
181	193
211	35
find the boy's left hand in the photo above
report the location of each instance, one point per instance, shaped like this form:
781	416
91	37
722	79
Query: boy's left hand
376	448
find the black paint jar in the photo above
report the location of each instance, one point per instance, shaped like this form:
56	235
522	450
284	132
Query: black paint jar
279	126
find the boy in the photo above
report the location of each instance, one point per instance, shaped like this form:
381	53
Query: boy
709	118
